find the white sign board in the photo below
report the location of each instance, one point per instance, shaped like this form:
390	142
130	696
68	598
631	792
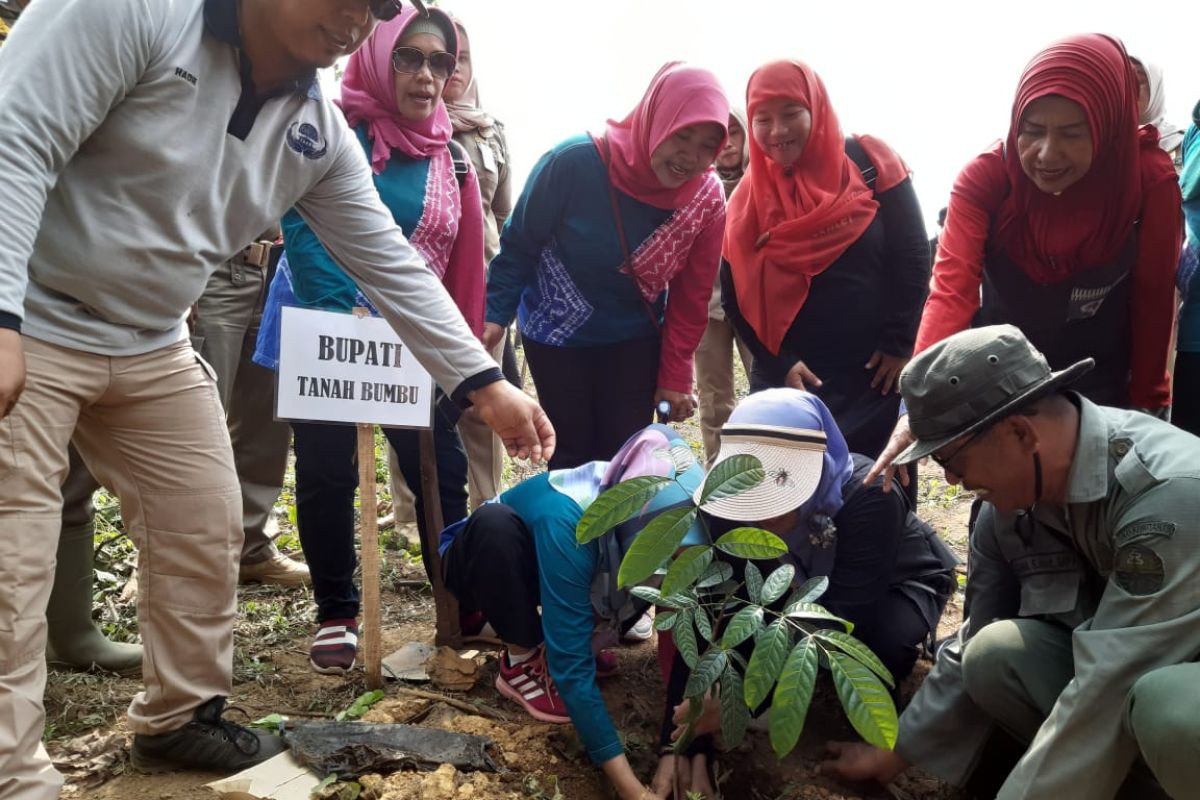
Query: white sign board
345	368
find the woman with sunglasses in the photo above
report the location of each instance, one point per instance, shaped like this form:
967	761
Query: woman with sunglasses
1069	229
392	98
827	256
608	260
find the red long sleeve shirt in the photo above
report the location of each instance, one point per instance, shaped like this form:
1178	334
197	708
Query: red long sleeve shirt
954	295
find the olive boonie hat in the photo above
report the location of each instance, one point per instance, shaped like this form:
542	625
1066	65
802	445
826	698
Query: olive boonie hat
972	379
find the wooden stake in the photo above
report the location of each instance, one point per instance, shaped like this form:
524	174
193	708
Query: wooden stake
372	618
445	604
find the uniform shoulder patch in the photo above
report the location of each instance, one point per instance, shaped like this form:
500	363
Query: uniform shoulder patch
1150	529
1138	569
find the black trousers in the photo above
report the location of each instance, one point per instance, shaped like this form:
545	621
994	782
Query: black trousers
596	397
492	567
1185	408
326	477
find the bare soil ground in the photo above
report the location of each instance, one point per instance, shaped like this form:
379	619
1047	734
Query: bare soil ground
86	731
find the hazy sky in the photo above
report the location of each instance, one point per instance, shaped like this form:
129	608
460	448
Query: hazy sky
933	79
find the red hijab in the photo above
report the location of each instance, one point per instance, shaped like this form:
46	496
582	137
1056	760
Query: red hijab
369	94
1052	237
677	97
786	226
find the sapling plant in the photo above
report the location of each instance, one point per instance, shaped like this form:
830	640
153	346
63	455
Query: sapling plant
713	615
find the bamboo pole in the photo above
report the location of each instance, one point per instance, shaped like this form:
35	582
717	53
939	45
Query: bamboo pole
372	617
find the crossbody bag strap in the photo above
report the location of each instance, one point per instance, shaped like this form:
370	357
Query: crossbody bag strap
616	210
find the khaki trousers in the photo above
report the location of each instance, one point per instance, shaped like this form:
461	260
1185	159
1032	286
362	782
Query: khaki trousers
1015	670
485	453
228	316
151	427
714	380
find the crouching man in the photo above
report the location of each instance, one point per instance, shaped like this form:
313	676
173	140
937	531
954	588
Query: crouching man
1083	594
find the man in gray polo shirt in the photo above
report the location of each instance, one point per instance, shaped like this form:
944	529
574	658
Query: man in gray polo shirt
1082	610
145	141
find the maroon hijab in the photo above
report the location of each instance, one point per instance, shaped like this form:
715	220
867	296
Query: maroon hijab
1053	237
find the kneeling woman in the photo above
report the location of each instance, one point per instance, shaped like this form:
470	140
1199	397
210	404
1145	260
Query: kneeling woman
391	96
511	556
889	573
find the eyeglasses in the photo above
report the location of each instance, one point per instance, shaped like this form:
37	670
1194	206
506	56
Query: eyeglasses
944	461
407	60
383	10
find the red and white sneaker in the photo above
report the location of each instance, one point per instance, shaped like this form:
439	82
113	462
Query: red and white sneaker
335	647
529	684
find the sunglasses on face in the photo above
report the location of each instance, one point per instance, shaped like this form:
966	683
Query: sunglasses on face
383	10
408	60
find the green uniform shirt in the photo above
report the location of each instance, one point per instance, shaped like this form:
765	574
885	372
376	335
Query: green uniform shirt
1119	564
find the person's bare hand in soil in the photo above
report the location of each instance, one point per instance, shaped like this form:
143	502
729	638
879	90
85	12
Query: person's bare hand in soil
900	440
693	777
857	761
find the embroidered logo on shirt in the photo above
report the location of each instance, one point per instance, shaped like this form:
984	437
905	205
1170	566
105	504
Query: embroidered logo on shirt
305	139
1138	570
180	72
1143	530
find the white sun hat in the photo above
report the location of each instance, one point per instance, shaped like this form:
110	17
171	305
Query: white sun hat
792	456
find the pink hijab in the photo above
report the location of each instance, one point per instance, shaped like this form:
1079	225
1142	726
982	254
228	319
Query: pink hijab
678	96
369	94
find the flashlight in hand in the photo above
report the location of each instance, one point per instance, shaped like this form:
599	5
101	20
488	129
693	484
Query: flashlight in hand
663	410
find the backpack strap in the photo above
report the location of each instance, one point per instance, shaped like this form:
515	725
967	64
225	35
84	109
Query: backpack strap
859	156
462	162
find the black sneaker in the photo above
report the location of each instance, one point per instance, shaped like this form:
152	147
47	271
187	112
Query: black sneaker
206	743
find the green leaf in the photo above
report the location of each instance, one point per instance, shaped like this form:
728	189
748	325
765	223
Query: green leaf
734	714
655	544
789	704
816	612
810	590
686	568
777	584
766	662
857	650
326	782
361	705
705	674
865	699
271	722
678	600
732	476
664	621
745	623
716	573
751	543
685	639
618	504
754	582
704	623
649	594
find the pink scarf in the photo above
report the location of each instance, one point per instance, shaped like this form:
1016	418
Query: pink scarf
369	95
678	96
